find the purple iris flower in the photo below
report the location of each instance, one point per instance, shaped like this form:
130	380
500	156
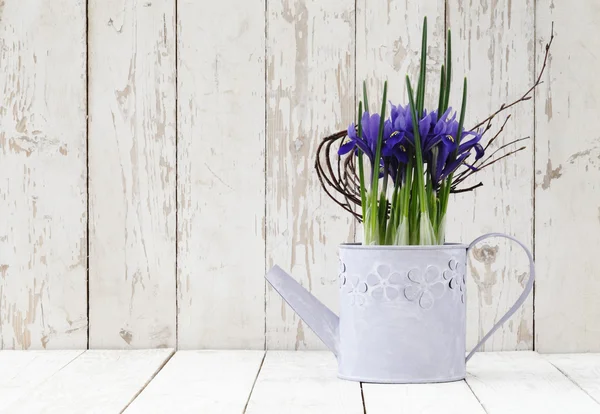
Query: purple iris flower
367	143
449	157
438	142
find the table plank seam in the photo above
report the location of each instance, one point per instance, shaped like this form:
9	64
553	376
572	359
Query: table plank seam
83	351
143	387
572	380
362	397
475	394
254	382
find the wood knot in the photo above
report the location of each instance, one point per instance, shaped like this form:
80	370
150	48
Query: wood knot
485	254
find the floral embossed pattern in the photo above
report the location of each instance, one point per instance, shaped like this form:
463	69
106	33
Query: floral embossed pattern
426	287
383	284
342	274
356	289
456	277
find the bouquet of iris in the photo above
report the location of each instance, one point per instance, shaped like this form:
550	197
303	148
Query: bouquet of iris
396	174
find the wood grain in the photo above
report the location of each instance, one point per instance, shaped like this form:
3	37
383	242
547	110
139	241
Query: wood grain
221	262
132	173
447	398
523	382
42	174
303	382
493	47
567	180
310	94
388	47
201	382
21	372
582	369
99	381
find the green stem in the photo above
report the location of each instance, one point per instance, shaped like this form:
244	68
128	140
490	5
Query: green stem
448	70
457	139
442	92
423	71
418	154
375	175
366	100
361	169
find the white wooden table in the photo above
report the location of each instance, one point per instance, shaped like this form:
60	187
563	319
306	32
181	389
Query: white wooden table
162	381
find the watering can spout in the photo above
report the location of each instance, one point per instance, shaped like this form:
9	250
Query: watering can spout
317	316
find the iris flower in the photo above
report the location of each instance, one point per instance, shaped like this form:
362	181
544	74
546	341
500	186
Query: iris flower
438	142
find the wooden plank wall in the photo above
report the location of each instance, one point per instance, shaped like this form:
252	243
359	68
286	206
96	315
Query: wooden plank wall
221	186
131	164
43	212
310	94
493	47
567	181
169	146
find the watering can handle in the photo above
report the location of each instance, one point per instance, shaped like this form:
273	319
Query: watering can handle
519	301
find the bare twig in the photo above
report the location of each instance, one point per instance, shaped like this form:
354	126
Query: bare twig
526	96
464	190
340	180
497	133
336	180
471	172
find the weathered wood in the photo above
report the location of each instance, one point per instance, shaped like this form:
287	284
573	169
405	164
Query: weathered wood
21	372
303	382
523	382
493	47
388	47
96	382
448	398
567	180
132	173
221	262
310	94
201	382
42	174
582	369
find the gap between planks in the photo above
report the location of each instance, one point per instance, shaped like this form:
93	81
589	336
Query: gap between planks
265	381
160	367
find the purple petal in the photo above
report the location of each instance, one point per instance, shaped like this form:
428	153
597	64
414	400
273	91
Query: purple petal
424	125
365	124
479	151
364	148
451	167
432	142
445	114
346	148
395	139
439	128
352	132
442	157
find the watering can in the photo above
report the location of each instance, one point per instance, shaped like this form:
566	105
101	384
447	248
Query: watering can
402	311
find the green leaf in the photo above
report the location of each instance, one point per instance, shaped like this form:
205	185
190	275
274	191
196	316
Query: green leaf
461	121
423	71
374	185
448	69
441	109
365	97
418	154
361	169
448	182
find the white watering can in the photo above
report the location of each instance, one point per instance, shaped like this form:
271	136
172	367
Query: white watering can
402	311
